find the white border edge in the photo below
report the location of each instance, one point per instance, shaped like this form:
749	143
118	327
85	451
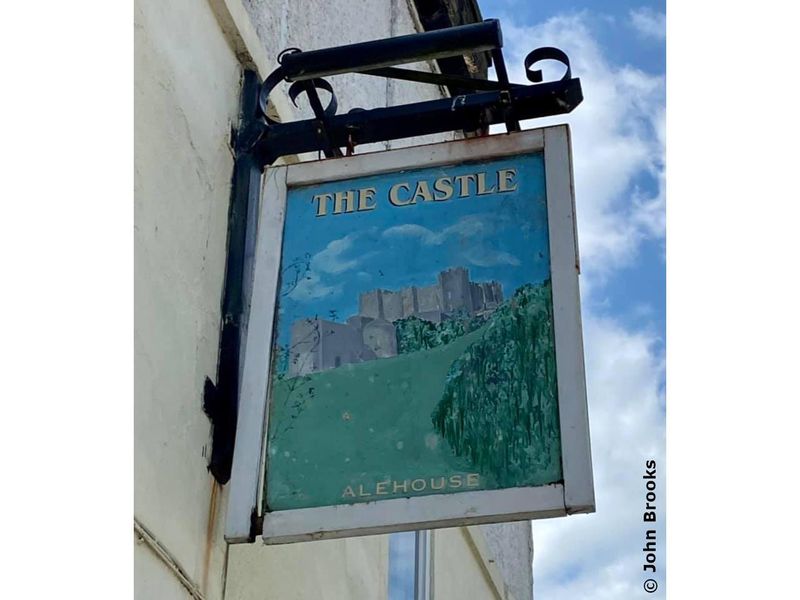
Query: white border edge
421	512
387	161
572	404
252	418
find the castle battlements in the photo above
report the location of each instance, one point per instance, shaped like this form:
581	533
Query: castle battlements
318	344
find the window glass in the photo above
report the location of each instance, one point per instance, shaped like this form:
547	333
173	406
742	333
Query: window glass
402	565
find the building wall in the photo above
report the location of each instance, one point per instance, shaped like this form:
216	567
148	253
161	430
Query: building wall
453	292
340	344
458	569
186	93
328	570
410	300
495	562
188	63
380	336
392	305
152	577
430	298
281	24
511	547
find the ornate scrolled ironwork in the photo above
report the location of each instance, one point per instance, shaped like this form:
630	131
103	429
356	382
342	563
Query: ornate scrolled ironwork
299	87
545	53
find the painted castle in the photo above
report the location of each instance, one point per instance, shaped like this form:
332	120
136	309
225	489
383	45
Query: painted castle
318	344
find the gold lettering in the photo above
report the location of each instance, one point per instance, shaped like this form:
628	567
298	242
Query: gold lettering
504	177
394	198
415	487
361	491
380	488
344	202
482	191
444	186
472	480
463	184
439	487
455	481
422	190
322	204
348	492
364	196
395	487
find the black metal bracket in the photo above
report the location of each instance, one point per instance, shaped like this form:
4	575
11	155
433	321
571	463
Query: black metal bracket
485	102
221	399
260	140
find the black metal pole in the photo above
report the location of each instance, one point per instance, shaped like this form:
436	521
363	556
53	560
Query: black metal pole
420	118
355	58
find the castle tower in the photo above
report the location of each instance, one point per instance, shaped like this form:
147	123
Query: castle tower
370	304
392	303
456	293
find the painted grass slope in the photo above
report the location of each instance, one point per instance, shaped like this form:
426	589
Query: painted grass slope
374	421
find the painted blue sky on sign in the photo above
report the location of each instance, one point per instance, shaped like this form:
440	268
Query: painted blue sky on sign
328	261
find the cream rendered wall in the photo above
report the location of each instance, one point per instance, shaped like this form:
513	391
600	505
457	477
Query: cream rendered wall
281	24
186	99
153	579
188	63
459	571
186	90
326	570
511	548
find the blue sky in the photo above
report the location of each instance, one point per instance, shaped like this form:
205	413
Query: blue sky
622	27
617	48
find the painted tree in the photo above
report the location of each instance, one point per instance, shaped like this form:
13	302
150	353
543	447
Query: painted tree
414	334
499	407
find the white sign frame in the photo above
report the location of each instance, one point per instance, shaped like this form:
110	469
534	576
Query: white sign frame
575	495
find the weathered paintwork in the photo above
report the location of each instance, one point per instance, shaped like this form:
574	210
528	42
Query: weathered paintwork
414	350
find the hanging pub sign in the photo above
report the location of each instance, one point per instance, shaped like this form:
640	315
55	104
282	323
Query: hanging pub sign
413	357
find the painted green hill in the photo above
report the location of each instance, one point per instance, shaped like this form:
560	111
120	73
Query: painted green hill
370	422
338	435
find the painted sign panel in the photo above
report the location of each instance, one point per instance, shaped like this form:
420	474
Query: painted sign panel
414	352
414	348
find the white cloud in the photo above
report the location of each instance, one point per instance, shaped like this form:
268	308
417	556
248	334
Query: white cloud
312	287
425	235
474	229
331	259
600	556
649	23
471	226
617	136
487	257
312	280
618	152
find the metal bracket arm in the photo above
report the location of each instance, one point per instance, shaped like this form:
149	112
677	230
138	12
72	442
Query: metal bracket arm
422	118
487	102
